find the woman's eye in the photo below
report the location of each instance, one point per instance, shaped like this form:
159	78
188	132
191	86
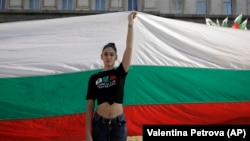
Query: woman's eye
111	54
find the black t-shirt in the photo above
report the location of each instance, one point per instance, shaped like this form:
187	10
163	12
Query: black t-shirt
107	86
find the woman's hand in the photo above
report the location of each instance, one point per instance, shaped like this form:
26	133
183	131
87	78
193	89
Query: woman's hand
131	18
89	137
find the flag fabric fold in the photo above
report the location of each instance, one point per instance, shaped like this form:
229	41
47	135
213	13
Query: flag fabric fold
237	22
243	25
225	22
210	22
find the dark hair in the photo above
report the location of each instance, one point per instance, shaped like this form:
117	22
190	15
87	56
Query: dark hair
112	45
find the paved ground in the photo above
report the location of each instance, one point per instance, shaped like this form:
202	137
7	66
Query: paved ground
134	138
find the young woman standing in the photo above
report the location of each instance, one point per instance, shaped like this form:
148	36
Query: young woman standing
107	87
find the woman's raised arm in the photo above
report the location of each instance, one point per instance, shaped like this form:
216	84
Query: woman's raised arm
129	43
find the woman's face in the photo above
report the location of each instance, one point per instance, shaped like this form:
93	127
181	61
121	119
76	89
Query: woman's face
109	56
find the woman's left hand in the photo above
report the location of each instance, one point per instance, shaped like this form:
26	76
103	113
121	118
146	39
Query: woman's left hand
131	17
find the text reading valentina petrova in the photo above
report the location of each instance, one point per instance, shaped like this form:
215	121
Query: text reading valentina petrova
224	132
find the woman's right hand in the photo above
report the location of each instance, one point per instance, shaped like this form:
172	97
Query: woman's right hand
89	138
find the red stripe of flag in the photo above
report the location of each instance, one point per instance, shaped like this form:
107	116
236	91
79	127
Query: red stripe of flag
72	127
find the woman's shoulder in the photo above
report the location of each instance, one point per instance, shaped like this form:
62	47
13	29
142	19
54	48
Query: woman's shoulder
94	75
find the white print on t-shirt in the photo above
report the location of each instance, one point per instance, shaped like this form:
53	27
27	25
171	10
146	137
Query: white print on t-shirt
106	81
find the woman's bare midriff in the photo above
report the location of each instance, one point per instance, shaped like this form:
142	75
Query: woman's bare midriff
109	111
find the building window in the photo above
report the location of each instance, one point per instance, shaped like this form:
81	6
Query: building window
2	4
202	7
132	5
248	6
228	7
177	6
34	4
67	5
100	4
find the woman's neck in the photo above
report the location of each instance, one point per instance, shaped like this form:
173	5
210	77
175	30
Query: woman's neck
107	68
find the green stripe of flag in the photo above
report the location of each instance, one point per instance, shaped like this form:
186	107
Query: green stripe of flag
64	94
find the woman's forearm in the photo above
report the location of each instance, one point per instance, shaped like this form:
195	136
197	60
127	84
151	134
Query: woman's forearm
129	42
130	35
89	114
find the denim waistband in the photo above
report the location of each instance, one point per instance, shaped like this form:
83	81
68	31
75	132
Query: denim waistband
118	119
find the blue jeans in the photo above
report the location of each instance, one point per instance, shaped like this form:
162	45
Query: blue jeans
109	129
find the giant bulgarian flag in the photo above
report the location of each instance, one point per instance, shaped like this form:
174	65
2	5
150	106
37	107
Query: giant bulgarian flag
181	73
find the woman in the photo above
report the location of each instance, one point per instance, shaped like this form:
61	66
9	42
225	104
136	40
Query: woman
107	87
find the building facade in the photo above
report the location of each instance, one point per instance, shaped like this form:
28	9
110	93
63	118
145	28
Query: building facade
186	9
199	7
